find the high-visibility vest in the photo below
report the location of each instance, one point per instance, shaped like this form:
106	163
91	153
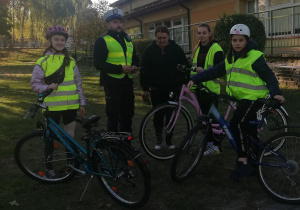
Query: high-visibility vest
66	96
212	85
116	54
242	81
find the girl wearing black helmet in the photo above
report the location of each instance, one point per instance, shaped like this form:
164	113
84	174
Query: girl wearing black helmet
58	71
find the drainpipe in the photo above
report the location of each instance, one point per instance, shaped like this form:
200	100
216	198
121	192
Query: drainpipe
189	23
141	26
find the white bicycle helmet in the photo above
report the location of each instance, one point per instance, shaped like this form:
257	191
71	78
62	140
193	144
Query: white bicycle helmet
240	29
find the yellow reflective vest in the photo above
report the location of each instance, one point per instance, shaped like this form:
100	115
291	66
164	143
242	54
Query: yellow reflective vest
242	81
66	96
212	85
116	54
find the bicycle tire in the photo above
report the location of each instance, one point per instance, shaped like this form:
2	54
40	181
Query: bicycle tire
127	178
29	155
274	117
189	153
281	183
148	135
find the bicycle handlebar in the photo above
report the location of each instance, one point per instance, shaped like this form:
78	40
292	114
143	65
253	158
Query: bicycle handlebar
274	103
183	68
34	108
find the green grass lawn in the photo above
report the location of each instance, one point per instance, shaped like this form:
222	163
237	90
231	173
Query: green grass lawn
207	188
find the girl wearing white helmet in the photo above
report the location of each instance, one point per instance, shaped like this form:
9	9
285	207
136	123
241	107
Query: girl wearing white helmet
248	78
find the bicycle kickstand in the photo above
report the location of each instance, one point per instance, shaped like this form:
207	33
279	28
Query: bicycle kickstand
92	176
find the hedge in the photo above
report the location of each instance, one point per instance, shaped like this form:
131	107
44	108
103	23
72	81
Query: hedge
223	26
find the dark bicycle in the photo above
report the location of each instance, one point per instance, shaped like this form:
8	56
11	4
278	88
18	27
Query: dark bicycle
118	166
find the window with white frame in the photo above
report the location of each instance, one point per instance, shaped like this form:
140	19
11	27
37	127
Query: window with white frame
135	33
283	17
178	31
251	6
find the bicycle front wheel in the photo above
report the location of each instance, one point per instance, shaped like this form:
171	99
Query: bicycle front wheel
30	157
123	173
155	130
280	175
189	153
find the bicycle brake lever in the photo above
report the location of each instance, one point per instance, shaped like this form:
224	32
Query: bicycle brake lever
26	115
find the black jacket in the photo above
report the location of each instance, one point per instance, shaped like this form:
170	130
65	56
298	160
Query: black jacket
100	56
260	66
159	67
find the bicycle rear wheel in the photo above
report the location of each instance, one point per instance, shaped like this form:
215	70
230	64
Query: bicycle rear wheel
281	177
153	130
124	175
30	157
274	118
189	153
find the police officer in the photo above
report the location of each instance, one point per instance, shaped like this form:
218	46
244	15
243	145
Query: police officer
115	57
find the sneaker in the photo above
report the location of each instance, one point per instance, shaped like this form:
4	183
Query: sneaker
241	171
209	145
157	147
212	150
171	147
50	174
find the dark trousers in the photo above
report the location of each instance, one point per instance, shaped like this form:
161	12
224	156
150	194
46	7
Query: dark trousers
163	116
205	100
119	108
239	124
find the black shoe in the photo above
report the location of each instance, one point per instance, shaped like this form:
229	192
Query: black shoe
241	171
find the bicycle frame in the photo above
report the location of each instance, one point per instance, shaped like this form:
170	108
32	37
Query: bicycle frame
187	95
225	125
52	126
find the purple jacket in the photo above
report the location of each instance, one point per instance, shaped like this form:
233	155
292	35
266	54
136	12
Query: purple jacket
38	85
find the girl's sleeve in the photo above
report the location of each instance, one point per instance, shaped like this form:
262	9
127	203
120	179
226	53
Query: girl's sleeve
78	82
267	75
217	71
37	80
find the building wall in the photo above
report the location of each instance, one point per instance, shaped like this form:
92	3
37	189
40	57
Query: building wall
169	13
200	11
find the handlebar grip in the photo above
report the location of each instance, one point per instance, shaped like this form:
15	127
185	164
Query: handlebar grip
47	92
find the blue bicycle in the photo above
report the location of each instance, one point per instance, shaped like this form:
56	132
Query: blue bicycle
118	166
276	160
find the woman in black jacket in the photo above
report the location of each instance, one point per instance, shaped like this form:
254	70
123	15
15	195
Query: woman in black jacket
159	76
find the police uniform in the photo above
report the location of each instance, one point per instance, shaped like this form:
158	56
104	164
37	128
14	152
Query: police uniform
112	51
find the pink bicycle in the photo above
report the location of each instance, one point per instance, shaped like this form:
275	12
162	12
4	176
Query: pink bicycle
171	121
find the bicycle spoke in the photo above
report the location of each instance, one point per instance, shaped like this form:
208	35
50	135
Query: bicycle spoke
283	181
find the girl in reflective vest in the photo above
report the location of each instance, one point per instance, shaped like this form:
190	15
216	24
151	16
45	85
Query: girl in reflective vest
67	96
248	78
207	54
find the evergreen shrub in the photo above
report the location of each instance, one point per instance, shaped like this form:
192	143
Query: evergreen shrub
140	45
223	26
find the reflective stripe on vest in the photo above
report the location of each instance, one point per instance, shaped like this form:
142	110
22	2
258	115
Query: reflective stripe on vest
116	55
242	81
213	85
66	96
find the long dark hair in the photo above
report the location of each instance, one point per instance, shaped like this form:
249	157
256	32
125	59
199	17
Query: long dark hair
65	52
243	53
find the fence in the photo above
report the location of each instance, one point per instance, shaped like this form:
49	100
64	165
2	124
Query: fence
282	30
